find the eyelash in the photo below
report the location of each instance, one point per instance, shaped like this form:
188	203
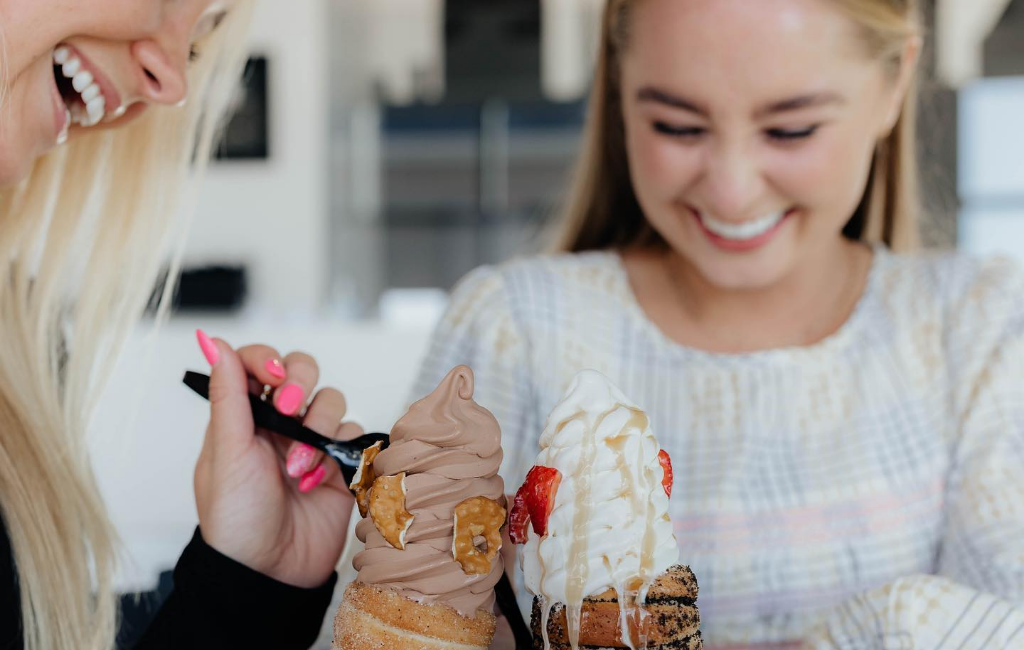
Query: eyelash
790	136
685	132
193	54
688	133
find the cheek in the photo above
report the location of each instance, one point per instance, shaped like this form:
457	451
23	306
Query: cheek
119	20
826	176
14	156
661	168
23	123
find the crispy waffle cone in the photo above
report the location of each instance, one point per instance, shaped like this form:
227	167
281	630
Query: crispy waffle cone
379	618
672	622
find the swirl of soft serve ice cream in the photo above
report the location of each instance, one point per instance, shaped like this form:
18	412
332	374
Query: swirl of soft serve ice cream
450	448
610	527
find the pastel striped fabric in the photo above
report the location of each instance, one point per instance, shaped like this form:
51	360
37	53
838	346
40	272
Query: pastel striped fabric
863	492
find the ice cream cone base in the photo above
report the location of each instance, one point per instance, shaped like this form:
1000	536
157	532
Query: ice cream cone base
375	618
668	619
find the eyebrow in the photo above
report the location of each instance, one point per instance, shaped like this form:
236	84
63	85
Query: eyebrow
811	100
654	95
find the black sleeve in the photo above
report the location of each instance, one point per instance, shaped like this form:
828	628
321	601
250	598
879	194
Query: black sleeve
10	601
220	604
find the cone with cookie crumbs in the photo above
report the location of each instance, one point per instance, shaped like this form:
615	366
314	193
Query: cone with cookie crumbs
598	551
433	507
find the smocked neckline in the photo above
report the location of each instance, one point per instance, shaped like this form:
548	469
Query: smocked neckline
842	337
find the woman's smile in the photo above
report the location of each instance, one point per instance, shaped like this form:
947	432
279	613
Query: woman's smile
742	236
87	94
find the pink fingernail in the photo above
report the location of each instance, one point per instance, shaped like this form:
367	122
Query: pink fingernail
289	399
311	480
274	367
208	347
299	460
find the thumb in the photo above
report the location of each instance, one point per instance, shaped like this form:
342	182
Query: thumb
230	412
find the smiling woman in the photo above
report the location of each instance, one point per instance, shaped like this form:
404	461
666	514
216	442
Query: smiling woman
89	182
603	208
844	413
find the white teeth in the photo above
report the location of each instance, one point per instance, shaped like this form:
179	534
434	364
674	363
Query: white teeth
90	93
742	231
95	110
82	80
70	69
96	106
78	115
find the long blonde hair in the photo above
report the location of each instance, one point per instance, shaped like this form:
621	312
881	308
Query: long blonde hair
82	242
602	210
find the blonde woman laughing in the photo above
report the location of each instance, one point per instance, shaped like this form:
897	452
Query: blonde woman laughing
107	111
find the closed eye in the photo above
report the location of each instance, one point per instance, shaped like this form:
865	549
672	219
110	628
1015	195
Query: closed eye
788	135
678	131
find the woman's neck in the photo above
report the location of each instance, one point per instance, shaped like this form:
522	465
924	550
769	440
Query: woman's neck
804	307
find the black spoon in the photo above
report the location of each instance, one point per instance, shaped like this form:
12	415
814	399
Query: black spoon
347	453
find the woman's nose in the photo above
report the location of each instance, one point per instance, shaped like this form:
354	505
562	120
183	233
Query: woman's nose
164	74
734	184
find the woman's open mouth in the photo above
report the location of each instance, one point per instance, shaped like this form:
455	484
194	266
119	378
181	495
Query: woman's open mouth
83	94
745	236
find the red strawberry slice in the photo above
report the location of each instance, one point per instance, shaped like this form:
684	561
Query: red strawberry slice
666	464
540	497
533	503
519	517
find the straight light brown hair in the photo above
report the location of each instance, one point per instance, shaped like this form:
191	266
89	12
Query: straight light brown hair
602	211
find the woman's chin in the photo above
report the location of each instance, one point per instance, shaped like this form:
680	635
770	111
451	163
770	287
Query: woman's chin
742	279
15	163
133	113
750	271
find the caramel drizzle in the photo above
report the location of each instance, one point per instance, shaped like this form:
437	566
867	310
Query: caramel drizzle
631	601
576	579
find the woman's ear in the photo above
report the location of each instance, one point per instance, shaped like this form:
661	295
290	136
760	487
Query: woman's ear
908	67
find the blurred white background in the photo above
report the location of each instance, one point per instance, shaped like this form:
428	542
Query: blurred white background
411	140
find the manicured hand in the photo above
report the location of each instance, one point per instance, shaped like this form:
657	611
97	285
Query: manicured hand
276	506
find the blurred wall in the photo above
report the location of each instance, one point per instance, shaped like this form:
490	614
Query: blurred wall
271	215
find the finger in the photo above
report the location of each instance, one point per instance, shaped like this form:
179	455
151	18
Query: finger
325	412
263	363
327	471
504	638
301	459
302	374
349	431
323	416
313	479
230	412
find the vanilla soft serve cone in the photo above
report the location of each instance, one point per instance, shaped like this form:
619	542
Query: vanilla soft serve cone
598	551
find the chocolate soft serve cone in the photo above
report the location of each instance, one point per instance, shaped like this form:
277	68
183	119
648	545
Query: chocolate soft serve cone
427	574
